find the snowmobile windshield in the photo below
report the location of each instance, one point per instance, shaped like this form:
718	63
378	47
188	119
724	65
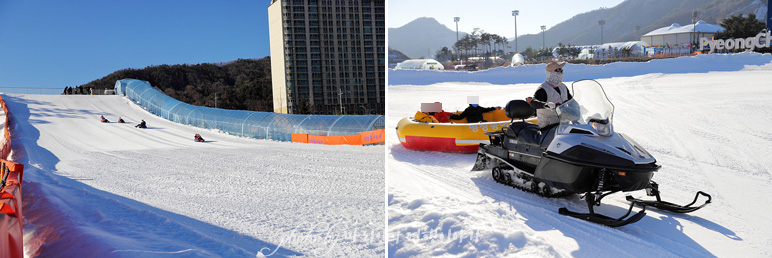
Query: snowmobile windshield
589	105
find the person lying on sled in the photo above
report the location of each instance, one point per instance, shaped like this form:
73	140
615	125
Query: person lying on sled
474	112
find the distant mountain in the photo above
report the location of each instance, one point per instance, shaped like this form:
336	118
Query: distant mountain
621	20
395	57
416	37
422	37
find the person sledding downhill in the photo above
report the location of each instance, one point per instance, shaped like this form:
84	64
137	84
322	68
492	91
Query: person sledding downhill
120	120
198	138
103	119
141	124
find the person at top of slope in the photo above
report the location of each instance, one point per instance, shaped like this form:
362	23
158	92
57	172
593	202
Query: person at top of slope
551	93
141	124
120	120
198	138
103	119
474	112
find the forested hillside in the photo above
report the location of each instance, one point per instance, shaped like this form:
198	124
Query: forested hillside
244	84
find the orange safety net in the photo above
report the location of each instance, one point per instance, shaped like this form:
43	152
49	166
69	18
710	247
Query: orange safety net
11	232
364	138
11	219
5	149
300	138
373	137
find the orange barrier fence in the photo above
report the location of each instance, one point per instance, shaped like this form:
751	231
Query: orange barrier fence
364	138
11	219
6	148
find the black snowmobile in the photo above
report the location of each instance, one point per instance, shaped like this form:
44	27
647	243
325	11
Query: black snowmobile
581	155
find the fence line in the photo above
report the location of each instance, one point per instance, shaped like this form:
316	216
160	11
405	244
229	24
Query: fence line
49	91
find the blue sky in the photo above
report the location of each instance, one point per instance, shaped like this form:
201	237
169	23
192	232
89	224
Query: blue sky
53	44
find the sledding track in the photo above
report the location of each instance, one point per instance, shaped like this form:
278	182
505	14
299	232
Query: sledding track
687	121
123	191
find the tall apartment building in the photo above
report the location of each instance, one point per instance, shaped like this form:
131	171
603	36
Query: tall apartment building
328	56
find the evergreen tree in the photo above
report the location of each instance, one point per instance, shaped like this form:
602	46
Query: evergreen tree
740	27
244	84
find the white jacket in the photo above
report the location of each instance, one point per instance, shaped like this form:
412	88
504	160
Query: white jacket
548	116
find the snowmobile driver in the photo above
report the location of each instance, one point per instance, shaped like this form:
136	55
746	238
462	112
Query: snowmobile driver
550	94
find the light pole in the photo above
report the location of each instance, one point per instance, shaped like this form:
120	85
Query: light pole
601	23
515	13
456	19
693	44
340	99
363	107
543	28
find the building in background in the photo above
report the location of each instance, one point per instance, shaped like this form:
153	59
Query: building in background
677	39
328	56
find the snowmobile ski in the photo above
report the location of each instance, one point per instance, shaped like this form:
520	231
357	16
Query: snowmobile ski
668	206
603	219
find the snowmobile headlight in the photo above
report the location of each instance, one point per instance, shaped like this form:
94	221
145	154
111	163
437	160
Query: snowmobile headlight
602	129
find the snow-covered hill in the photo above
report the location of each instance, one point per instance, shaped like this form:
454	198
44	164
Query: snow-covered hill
710	129
96	189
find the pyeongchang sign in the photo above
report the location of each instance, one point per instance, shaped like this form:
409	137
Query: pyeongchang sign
761	40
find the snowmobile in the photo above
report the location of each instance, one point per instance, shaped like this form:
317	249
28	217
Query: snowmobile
582	154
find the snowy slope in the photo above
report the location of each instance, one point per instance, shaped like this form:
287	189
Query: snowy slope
710	131
535	73
111	190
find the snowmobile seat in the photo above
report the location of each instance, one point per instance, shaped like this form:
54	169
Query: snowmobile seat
531	135
516	127
519	109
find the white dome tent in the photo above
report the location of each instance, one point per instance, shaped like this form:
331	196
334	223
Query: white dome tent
420	64
518	59
617	49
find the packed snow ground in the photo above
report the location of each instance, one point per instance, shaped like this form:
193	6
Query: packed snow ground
710	131
96	189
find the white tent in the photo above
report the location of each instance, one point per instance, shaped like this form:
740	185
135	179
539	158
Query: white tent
617	49
677	35
610	50
518	59
420	64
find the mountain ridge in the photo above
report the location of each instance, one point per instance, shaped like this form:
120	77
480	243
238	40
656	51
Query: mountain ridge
583	28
